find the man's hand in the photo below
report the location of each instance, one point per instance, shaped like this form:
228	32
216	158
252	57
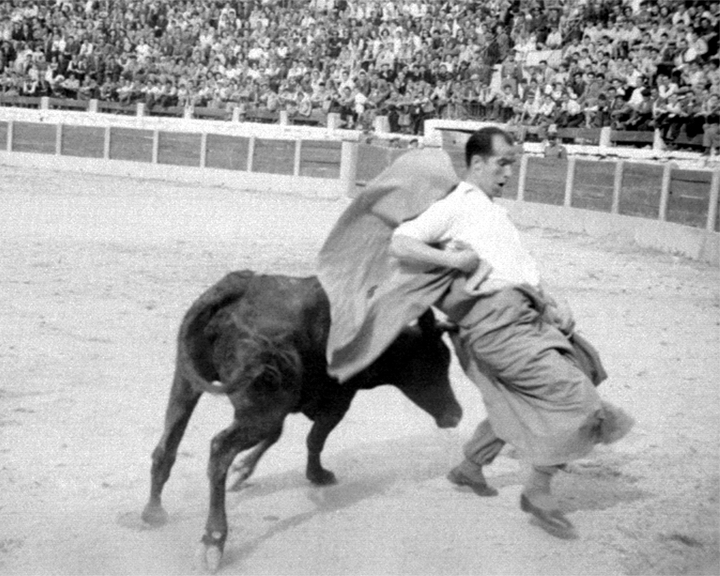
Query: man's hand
463	257
561	315
474	282
470	263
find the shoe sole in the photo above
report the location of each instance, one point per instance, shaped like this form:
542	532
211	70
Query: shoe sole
552	521
483	490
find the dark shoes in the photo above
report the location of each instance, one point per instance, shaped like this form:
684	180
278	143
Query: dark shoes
477	485
550	519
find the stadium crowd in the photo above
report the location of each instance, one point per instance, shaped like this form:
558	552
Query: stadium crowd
629	64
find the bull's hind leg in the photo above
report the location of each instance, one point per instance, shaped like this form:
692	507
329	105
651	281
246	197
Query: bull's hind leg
182	402
244	433
243	470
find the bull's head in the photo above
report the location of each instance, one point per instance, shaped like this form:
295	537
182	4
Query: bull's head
420	369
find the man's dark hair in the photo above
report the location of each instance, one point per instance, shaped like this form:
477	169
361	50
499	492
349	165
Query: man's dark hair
480	142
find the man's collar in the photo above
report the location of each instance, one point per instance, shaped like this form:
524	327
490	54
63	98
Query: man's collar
469	187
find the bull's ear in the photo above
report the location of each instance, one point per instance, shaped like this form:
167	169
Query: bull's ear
445	326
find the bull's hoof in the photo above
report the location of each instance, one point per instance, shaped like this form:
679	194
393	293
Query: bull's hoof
209	558
155	515
321	477
210	553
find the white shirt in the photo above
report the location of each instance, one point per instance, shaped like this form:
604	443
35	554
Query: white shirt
468	215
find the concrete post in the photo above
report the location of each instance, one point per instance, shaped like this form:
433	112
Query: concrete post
617	187
188	112
106	143
348	166
381	125
155	146
10	126
203	149
140	109
713	207
58	139
298	152
658	142
284	120
45	103
333	121
664	192
236	114
569	182
93	105
522	176
251	154
605	135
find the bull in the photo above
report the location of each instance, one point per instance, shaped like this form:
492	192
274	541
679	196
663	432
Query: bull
260	340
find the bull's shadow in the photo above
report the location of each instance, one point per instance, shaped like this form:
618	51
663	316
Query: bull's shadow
397	466
364	472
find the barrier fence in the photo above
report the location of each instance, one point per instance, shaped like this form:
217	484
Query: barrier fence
649	191
314	158
655	191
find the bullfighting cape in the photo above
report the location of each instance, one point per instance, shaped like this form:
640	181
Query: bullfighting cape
372	296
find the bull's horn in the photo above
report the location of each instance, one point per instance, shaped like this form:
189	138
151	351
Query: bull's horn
446	326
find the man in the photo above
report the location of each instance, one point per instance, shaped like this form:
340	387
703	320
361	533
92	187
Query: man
513	340
553	148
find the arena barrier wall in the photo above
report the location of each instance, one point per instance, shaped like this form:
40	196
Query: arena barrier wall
654	205
315	162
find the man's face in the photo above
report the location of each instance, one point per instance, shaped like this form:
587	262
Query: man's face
491	173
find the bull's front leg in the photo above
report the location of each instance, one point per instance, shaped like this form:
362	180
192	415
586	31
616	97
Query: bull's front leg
325	420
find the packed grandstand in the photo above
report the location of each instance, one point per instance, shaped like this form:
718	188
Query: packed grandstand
628	64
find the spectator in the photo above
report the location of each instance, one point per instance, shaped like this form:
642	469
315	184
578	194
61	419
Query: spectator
224	49
553	148
710	113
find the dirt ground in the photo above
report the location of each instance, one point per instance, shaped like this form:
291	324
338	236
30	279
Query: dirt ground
96	274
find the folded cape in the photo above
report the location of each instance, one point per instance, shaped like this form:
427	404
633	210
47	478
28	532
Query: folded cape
372	296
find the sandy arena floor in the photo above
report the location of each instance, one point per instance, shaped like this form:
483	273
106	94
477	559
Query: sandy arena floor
96	274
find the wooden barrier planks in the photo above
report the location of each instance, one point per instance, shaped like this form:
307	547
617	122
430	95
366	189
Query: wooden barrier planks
83	141
580	135
274	156
229	152
131	144
320	158
34	137
68	104
689	197
209	113
641	190
632	137
593	185
117	108
179	148
545	180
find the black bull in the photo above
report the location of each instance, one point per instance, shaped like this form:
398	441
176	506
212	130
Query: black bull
260	339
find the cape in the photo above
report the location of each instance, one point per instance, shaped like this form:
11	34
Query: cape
372	296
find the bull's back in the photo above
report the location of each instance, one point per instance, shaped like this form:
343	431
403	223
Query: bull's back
285	308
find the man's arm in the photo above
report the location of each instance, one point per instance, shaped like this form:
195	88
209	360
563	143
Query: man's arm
413	251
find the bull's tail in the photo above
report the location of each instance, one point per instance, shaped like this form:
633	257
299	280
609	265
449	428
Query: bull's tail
193	340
